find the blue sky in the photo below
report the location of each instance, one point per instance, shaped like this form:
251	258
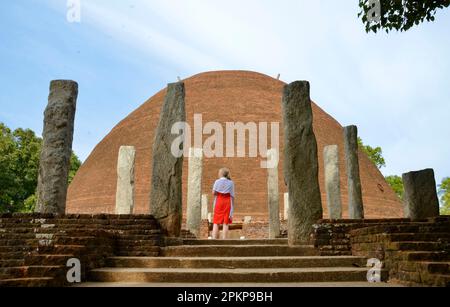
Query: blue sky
395	87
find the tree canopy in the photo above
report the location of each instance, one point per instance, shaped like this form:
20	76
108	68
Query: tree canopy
375	154
396	183
19	166
400	15
444	193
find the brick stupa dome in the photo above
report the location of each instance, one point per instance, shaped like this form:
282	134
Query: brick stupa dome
224	96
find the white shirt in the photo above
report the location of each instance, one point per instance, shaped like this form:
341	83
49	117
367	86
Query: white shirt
224	186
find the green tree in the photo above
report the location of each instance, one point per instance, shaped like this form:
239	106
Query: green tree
396	183
375	154
75	164
19	166
400	15
444	193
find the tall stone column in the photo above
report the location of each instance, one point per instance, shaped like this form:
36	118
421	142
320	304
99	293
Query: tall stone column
56	149
420	197
125	180
301	166
332	181
204	207
286	206
273	195
166	192
355	202
194	197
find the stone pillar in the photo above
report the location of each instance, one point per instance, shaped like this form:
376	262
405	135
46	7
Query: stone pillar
125	180
273	196
194	197
286	206
332	181
204	207
166	192
355	202
56	149
301	166
420	197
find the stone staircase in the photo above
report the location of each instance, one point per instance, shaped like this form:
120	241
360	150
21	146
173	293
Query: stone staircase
34	249
232	261
416	254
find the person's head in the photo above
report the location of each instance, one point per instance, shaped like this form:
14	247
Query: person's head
224	172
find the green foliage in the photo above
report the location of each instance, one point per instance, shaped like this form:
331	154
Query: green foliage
375	154
75	164
19	165
396	183
444	193
400	15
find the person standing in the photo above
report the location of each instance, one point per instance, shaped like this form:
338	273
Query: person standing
223	191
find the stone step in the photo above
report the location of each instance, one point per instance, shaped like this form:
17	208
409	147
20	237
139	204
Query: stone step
418	278
137	243
235	262
427	256
236	242
103	223
83	230
5	263
137	232
48	259
150	248
135	253
62	249
28	282
236	286
14	249
237	251
79	240
437	236
32	271
439	280
229	275
16	236
428	267
415	246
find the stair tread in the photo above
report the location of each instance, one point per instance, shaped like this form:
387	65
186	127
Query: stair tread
233	271
240	258
240	284
237	246
28	279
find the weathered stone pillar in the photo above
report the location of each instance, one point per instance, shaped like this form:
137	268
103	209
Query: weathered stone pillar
204	207
273	196
355	202
125	180
194	197
56	150
420	196
166	192
286	206
332	181
301	165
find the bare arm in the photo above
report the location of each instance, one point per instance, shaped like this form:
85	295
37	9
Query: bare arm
232	206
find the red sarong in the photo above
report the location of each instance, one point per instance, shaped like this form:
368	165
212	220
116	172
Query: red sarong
222	209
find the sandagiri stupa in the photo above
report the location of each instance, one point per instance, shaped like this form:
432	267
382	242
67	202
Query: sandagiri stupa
221	96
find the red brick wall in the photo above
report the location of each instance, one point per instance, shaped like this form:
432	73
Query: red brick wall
228	96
